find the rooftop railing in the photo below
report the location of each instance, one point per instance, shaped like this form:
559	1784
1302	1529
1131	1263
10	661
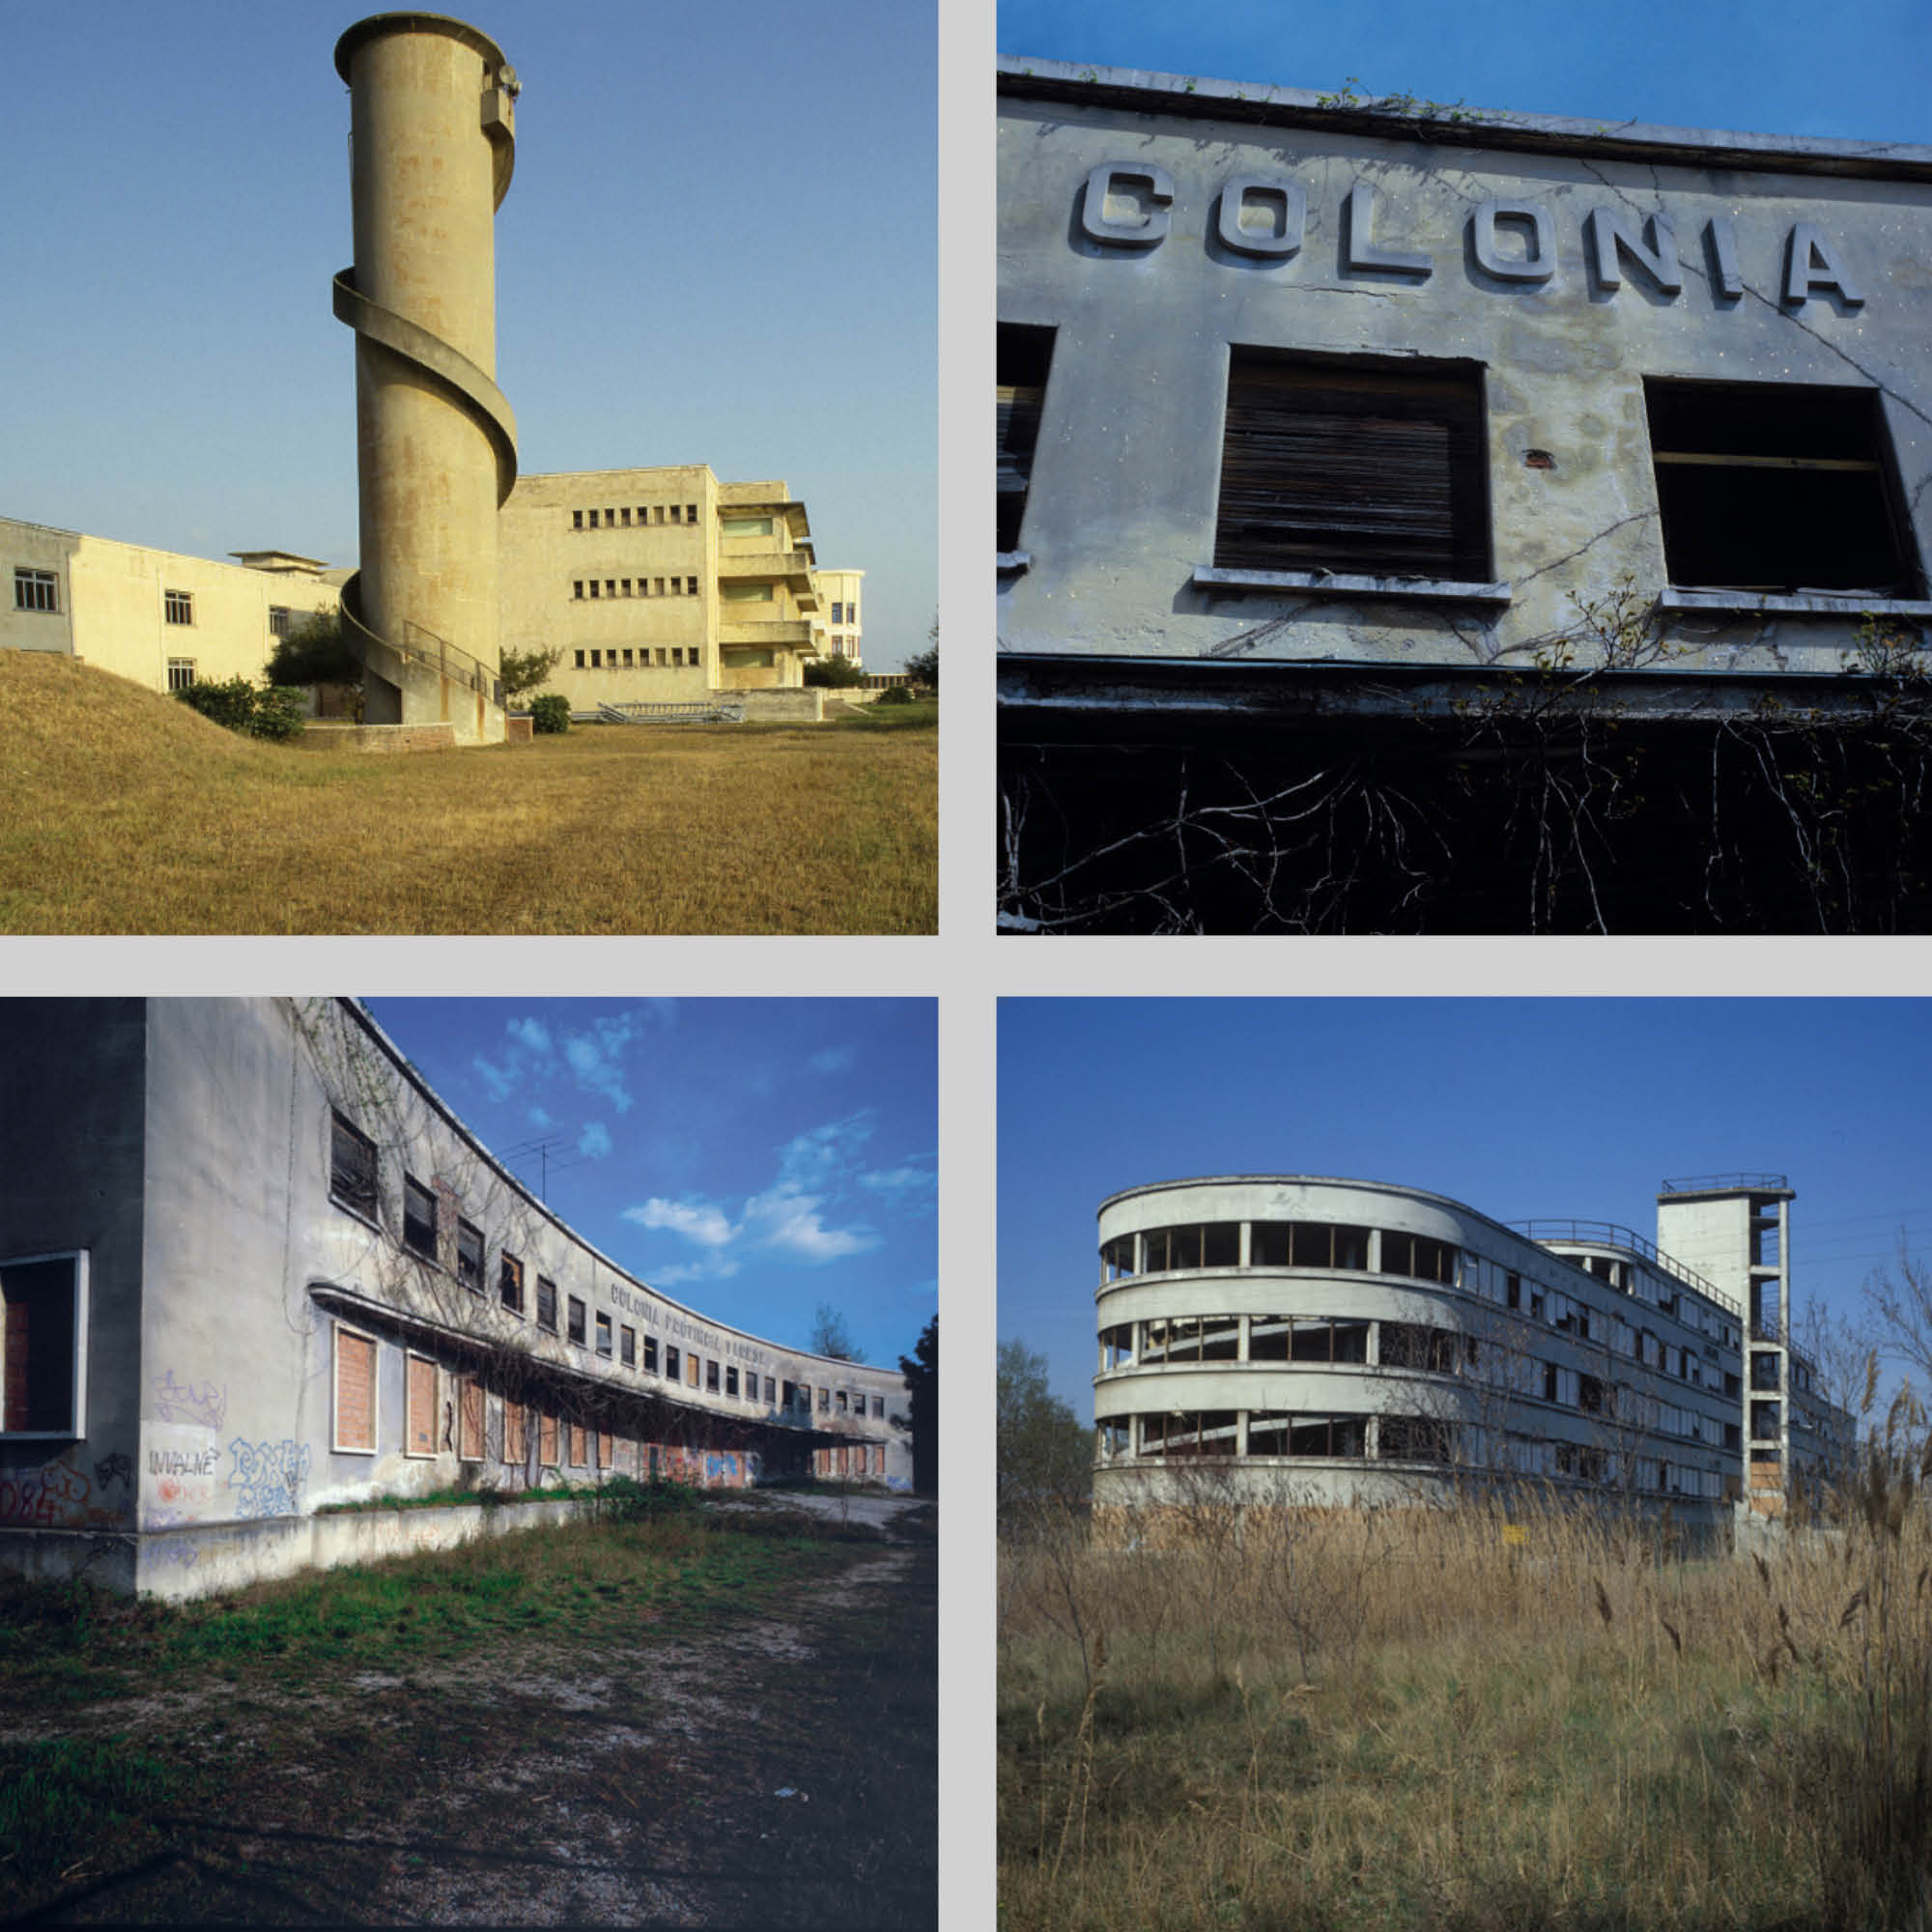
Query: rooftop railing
1607	1234
1727	1183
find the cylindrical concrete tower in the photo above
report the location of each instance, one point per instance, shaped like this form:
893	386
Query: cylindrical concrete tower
433	136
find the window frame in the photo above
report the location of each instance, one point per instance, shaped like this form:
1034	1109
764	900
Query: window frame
413	1223
36	591
341	1126
76	1347
412	1359
338	1329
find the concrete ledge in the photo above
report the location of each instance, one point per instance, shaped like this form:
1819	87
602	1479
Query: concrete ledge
350	737
518	730
798	706
1328	583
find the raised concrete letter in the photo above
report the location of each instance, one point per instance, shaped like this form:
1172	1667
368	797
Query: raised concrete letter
1157	192
1362	250
1610	233
1725	280
1267	242
1539	265
1809	264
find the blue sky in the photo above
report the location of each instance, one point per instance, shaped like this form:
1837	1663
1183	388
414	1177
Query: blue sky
1520	1108
750	1159
1855	71
718	248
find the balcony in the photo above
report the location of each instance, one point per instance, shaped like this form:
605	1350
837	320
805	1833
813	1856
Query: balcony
792	636
764	566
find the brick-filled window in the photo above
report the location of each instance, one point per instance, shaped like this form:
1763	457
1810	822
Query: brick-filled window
878	1459
606	1448
516	1434
578	1333
470	1420
469	1255
546	1442
352	1168
419	1407
355	1403
545	1303
43	1344
575	1444
418	1218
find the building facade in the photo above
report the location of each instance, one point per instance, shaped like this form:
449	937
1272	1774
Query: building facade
162	620
843	628
251	1266
1311	1342
1353	452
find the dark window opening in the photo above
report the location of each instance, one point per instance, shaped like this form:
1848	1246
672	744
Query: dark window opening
1412	1344
352	1168
627	1347
40	1318
470	1256
1413	1439
1777	487
578	1330
1353	466
650	1355
603	1336
510	1283
1024	357
545	1303
418	1218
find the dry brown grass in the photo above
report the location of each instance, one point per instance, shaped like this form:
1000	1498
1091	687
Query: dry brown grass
124	813
1405	1720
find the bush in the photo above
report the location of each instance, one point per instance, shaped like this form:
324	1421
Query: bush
551	712
314	652
833	673
235	703
895	694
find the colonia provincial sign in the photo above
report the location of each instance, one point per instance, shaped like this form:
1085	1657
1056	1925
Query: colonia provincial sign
1262	219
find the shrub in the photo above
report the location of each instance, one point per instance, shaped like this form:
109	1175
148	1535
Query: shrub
314	652
896	693
833	673
272	712
551	712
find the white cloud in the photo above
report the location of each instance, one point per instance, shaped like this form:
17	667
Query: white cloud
530	1033
699	1221
594	1140
539	1118
502	1081
595	1057
832	1060
901	1184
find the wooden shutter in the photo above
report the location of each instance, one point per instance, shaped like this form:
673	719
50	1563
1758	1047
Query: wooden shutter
1367	471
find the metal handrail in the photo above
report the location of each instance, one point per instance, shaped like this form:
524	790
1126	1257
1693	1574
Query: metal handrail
1609	1235
1727	1183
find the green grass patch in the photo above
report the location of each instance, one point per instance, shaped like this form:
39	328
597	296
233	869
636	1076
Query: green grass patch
61	1798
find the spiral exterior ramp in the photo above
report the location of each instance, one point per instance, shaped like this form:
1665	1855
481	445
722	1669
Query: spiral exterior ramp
433	140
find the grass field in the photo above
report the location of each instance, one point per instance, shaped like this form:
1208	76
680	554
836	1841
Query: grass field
1407	1719
563	1724
124	813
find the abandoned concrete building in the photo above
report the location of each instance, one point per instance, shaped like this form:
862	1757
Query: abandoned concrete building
1313	1341
252	1265
1416	518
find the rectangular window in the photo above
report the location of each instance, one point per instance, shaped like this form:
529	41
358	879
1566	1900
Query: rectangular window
352	1168
546	1442
710	1377
354	1405
178	605
577	590
611	590
43	1344
691	1370
418	1218
824	1402
573	1445
650	1355
627	1347
690	587
181	673
838	613
1354	467
690	513
605	1450
1776	488
593	520
577	520
624	516
878	1408
281	620
36	590
603	1336
545	1303
578	1331
470	1256
841	1402
770	1391
516	1434
1024	355
730	1380
671	1362
510	1283
418	1406
470	1420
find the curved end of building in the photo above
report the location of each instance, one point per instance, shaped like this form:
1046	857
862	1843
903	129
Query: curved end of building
377	25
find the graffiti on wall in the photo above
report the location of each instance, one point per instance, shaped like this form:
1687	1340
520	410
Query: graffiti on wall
58	1496
114	1468
203	1403
269	1476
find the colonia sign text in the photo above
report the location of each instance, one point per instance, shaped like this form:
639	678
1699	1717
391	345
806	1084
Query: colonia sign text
1265	217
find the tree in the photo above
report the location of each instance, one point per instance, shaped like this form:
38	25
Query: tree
829	1336
522	671
835	673
924	668
314	652
921	1371
1898	1309
1044	1454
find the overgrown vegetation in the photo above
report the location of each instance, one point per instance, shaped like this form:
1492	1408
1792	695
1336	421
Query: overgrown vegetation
710	829
1516	1717
256	711
550	714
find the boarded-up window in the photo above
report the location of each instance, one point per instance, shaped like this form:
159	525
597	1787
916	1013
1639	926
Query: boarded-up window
419	1421
604	1451
546	1442
1776	488
1024	357
878	1459
469	1421
516	1434
1354	467
355	1390
575	1446
352	1167
691	1363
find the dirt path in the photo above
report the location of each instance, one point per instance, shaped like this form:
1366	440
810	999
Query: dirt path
774	1770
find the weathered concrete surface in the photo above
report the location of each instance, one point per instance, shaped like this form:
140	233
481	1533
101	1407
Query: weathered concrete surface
1120	515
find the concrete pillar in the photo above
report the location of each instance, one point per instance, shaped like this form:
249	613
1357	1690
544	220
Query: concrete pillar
431	142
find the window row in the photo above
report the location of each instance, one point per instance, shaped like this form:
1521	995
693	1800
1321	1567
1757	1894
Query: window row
851	1460
584	589
844	613
1174	1435
1361	466
1323	1244
435	1230
625	518
672	657
36	590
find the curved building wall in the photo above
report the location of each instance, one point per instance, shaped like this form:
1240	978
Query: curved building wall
1318	1341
